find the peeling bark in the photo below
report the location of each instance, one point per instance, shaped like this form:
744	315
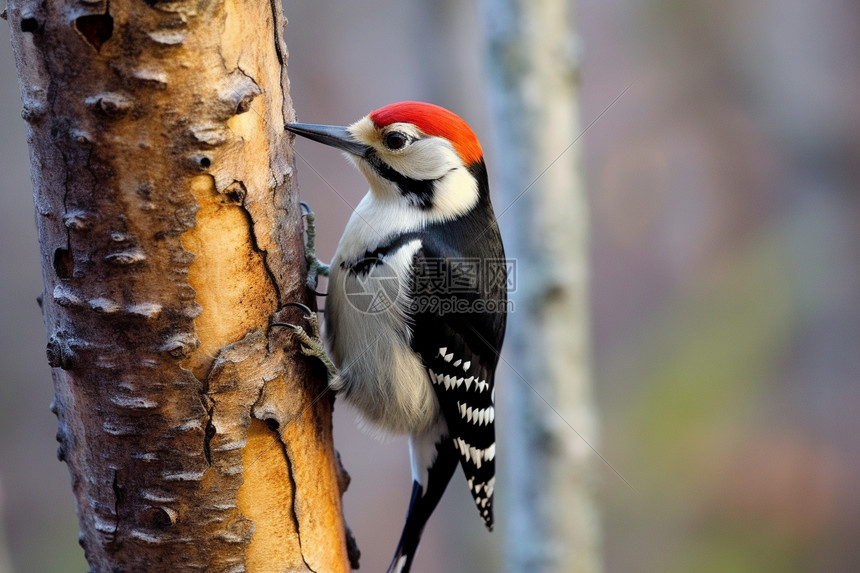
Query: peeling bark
197	438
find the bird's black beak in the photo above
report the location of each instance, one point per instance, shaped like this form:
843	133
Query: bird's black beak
332	135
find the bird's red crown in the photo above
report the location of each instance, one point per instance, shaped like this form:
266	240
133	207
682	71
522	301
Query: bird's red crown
433	120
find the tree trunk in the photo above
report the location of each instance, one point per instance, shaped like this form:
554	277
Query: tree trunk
171	237
533	70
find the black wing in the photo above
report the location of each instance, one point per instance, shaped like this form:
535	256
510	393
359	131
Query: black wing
458	313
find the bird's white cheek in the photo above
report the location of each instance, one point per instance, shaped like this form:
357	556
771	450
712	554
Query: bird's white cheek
428	160
455	194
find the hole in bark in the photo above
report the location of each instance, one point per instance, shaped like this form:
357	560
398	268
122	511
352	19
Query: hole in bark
158	517
244	104
29	25
207	439
95	28
235	193
272	424
64	265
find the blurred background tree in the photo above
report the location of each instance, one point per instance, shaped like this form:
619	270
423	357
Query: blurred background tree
725	287
532	62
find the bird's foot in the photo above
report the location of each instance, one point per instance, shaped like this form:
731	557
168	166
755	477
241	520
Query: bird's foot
316	267
309	340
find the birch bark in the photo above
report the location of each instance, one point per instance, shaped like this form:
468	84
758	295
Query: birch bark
171	237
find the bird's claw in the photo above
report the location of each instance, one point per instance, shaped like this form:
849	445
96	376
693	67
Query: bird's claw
309	340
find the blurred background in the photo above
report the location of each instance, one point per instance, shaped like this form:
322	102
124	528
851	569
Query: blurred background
725	249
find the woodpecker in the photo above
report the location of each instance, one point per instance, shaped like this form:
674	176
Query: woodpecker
416	308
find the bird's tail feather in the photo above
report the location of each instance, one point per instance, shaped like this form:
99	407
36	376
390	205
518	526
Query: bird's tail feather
421	506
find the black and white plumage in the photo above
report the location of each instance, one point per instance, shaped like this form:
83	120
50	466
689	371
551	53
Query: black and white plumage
415	314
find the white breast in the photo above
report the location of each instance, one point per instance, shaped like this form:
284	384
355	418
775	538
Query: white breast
374	221
367	335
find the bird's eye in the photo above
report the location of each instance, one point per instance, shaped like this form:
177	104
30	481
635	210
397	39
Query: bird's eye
395	140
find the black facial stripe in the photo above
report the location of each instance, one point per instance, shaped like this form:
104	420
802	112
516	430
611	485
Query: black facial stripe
419	192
